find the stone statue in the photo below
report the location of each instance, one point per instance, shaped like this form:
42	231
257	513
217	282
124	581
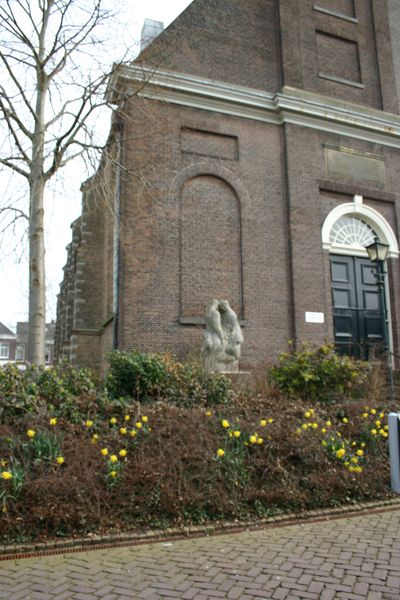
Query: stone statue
222	338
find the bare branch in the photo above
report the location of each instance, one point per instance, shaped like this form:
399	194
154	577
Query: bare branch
18	213
10	115
7	163
17	83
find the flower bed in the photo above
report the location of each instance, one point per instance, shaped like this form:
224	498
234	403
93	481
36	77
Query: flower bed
131	466
160	444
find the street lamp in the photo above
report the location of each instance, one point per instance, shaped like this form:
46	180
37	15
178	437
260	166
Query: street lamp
377	252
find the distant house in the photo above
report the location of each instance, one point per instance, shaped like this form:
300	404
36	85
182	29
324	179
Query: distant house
13	345
8	345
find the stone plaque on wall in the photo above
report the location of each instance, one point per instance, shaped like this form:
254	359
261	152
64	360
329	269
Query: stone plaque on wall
349	164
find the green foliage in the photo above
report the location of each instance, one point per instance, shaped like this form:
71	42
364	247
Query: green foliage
68	391
10	489
318	374
137	375
189	384
149	377
43	447
65	390
18	391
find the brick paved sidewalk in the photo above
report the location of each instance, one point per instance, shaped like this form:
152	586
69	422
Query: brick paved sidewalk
356	558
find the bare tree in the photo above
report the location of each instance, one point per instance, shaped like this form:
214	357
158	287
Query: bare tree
48	95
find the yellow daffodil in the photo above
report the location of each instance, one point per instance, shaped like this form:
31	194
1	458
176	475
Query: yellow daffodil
363	444
263	422
345	420
138	425
145	419
323	443
253	439
260	440
113	458
113	473
113	420
6	475
314	425
270	420
53	421
225	423
358	469
127	418
382	415
365	415
323	430
372	411
208	413
220	452
360	452
328	423
374	432
31	433
95	437
236	434
60	460
307	414
88	423
122	453
104	451
378	423
340	453
354	459
123	430
133	433
304	426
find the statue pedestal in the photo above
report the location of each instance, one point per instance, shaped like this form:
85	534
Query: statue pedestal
240	380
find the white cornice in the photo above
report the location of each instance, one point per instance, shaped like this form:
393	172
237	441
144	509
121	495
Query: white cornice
290	106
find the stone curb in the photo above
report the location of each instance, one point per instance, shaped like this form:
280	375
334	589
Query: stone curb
98	542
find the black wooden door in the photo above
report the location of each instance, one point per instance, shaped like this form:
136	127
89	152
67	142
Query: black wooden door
357	314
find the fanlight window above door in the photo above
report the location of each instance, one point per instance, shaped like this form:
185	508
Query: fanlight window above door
351	231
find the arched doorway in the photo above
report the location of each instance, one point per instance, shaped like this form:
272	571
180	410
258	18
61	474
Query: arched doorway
356	299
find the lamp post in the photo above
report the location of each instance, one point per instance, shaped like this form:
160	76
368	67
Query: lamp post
377	252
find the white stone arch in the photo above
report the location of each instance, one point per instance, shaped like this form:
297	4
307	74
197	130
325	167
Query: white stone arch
367	214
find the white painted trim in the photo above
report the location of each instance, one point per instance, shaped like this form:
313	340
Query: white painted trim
370	216
290	106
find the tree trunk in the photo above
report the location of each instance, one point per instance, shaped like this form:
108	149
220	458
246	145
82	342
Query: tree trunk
37	182
37	285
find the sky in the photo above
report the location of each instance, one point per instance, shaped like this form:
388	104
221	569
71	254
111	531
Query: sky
63	196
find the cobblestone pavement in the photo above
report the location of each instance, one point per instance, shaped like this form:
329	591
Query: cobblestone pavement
354	558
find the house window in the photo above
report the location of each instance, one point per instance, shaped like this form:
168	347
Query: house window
20	352
4	350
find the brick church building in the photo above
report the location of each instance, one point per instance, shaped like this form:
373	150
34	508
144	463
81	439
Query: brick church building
254	153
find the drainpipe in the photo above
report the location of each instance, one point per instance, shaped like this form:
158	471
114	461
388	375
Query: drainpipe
117	236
